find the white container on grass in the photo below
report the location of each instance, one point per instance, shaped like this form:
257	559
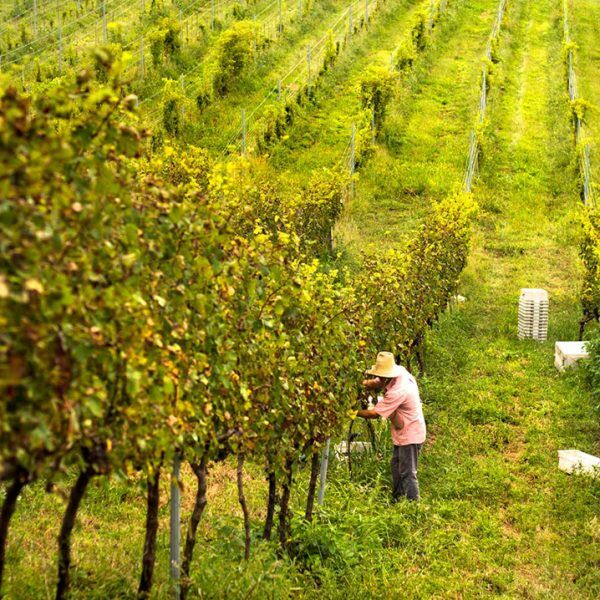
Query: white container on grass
567	354
575	461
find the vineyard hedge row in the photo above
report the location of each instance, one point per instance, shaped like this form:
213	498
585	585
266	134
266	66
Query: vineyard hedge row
589	251
159	307
589	246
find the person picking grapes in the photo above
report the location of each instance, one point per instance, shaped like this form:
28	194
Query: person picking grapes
401	404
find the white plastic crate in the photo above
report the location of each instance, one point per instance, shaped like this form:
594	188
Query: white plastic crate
567	354
575	461
533	314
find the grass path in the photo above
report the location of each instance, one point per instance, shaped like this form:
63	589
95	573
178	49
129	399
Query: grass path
498	518
585	32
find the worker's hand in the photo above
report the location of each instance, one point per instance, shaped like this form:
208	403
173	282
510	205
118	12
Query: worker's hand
352	414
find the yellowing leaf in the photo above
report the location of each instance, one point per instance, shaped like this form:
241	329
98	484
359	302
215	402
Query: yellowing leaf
4	292
34	285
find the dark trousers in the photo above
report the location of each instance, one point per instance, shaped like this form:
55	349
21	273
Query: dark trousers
404	471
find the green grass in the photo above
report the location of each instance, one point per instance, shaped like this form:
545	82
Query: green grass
497	519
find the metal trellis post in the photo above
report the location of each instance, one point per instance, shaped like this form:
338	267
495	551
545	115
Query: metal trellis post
323	474
352	158
181	27
349	22
280	18
104	23
142	65
60	51
182	85
431	14
373	126
243	132
175	522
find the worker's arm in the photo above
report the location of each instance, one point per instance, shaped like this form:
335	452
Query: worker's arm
367	414
373	384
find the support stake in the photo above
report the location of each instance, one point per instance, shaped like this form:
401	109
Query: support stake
431	14
280	18
60	51
352	158
323	475
373	127
142	65
104	23
349	22
175	526
243	132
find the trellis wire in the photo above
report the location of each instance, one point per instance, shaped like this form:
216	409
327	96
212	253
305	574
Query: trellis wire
175	527
40	11
37	10
583	146
198	7
43	9
205	11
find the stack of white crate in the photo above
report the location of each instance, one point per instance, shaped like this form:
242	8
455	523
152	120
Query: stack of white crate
533	314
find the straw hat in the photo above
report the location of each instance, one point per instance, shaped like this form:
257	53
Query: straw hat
385	366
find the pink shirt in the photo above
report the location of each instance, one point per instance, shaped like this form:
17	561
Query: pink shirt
401	404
